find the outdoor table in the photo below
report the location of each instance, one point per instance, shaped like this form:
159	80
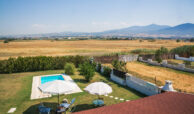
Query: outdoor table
98	102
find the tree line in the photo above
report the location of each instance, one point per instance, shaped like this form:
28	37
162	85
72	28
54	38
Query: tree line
38	63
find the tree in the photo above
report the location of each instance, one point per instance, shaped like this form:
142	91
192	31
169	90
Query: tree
87	70
69	68
5	41
160	52
107	71
178	40
119	65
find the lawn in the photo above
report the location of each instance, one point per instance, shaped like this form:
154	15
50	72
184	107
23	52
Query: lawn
16	89
79	47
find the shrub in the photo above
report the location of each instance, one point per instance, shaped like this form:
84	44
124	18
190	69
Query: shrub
5	41
87	70
119	65
191	40
69	68
184	51
187	62
143	51
178	40
107	71
160	52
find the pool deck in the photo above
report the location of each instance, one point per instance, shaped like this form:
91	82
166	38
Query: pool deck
37	94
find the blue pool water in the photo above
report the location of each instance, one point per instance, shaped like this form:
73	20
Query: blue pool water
45	79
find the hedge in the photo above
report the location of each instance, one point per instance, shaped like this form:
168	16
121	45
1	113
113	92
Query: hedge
38	63
184	51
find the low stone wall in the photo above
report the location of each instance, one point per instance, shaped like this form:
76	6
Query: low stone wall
183	58
152	56
164	63
128	58
142	86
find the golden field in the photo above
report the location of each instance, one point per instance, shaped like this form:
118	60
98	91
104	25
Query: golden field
79	47
181	80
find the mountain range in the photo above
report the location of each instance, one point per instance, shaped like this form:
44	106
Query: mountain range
153	30
185	30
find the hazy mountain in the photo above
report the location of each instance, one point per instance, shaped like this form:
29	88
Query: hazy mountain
153	30
183	29
137	29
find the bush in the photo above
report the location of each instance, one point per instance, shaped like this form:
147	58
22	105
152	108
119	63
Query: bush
187	62
143	51
107	71
119	65
87	70
69	68
160	52
184	51
178	40
5	41
38	63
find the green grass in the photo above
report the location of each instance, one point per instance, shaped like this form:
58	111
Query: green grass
15	91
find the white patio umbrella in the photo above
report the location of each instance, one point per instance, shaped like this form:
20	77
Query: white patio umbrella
57	87
98	88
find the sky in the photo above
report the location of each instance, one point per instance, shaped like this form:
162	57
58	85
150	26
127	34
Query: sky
49	16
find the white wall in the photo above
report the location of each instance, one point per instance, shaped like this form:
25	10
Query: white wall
117	79
142	86
165	64
183	58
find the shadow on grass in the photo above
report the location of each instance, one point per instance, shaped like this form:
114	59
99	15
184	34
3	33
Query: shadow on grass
34	108
81	107
108	80
80	81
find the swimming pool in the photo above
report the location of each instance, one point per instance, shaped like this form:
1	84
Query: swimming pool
45	79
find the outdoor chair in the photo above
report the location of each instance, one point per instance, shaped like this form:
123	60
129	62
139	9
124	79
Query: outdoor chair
66	106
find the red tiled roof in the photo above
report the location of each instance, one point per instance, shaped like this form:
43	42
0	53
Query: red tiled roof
165	103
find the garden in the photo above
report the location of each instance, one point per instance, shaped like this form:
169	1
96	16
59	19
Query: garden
16	88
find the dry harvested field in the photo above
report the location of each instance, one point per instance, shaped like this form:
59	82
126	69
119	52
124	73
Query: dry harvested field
79	47
181	80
